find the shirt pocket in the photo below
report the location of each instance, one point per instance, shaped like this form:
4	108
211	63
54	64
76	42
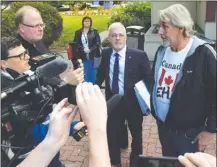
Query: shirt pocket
192	81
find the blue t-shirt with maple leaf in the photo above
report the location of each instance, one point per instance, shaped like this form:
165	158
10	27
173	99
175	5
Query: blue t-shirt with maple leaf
167	75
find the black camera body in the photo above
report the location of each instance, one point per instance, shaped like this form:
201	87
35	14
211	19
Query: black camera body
61	90
28	109
20	111
37	61
29	100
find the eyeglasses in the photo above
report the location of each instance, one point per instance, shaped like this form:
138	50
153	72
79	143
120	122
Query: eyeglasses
116	35
35	26
22	56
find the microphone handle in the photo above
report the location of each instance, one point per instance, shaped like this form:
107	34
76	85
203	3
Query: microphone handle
111	104
12	90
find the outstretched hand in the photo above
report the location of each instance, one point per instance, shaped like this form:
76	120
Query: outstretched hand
197	160
60	121
92	106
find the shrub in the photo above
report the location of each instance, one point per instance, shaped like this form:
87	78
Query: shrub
136	13
8	23
49	15
126	19
106	43
141	10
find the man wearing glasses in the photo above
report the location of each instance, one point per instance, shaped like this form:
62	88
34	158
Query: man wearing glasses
122	68
183	98
31	28
14	63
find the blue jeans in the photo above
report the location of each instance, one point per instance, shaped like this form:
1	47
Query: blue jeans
89	71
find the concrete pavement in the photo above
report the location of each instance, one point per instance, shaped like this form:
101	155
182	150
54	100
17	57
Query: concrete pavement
77	152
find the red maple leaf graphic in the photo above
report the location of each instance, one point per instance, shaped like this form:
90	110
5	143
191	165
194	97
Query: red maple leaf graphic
168	80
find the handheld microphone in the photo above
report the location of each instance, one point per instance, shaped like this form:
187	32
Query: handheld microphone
52	69
112	103
48	70
76	64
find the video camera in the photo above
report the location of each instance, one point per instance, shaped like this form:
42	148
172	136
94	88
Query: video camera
27	101
60	88
40	60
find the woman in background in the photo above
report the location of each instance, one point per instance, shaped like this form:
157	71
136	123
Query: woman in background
88	43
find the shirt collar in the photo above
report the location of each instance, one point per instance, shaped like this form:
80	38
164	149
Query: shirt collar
29	72
122	52
25	43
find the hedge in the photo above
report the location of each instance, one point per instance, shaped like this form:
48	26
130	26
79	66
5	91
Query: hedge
50	16
136	13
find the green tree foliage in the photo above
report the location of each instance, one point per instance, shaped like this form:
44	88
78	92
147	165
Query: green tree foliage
106	43
136	13
49	15
8	23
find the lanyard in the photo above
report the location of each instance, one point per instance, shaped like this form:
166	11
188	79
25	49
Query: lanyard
85	37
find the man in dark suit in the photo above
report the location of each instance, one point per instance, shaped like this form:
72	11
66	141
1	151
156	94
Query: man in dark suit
122	68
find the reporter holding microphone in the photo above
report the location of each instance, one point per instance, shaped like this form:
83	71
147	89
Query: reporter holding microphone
14	63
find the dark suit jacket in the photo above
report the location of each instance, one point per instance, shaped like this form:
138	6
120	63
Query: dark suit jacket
137	68
36	50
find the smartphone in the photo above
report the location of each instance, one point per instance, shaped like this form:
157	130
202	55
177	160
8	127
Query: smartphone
149	161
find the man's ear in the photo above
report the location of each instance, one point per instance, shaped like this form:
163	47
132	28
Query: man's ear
182	30
4	65
21	28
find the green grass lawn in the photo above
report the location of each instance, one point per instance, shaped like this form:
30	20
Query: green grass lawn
73	23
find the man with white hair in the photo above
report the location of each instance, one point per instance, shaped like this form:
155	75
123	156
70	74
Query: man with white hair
121	68
183	96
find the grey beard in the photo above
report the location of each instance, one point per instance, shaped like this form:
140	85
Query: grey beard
166	43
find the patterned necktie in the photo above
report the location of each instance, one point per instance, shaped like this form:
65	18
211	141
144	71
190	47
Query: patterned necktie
115	87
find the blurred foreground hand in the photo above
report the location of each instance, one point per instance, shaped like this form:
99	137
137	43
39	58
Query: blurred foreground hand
197	159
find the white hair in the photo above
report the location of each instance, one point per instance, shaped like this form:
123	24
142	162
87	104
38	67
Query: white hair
180	17
116	25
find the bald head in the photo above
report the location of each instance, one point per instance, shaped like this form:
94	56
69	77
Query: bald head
117	25
24	11
30	24
117	36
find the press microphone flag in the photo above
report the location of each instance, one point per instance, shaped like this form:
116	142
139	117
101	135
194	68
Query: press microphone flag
113	102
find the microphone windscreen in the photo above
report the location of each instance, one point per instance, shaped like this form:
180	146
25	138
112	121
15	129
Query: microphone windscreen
52	69
113	102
